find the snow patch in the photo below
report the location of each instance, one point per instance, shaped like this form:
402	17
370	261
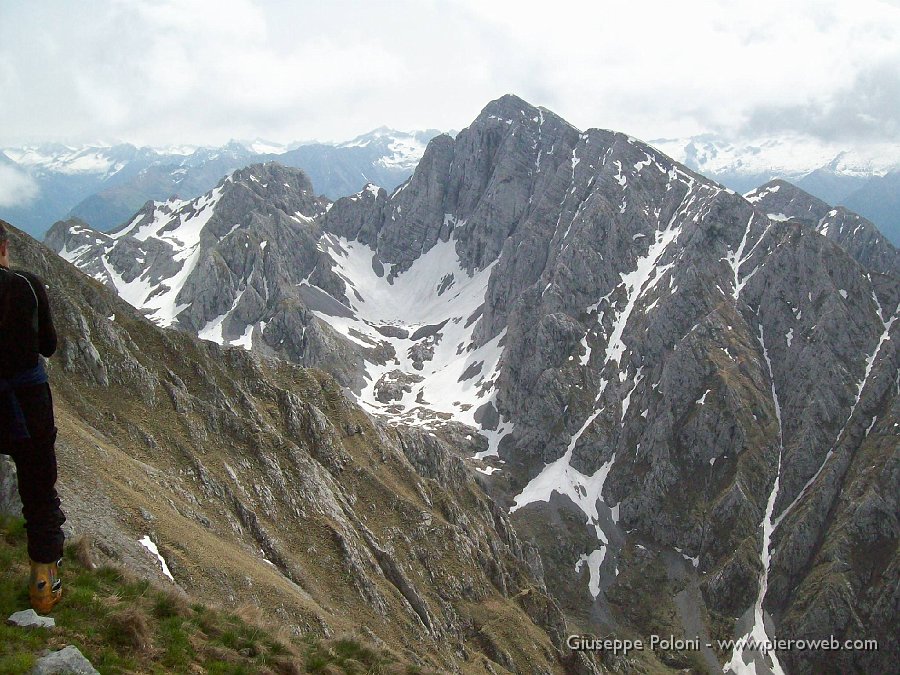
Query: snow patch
459	377
594	560
149	544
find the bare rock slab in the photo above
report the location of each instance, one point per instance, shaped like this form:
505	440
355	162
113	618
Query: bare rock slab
28	618
68	660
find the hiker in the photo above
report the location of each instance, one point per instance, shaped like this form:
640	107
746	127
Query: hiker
27	429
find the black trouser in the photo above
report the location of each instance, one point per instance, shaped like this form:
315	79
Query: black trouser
35	460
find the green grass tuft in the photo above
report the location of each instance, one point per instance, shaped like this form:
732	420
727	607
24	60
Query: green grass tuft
13	664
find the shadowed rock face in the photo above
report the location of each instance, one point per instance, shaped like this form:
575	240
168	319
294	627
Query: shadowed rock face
667	372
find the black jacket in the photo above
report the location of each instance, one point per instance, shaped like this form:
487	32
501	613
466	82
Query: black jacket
26	326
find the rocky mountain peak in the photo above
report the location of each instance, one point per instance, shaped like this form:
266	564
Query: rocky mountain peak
490	167
790	199
508	108
264	173
171	251
63	230
782	200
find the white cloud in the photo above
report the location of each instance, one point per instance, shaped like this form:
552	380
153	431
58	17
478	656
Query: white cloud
16	188
658	68
172	71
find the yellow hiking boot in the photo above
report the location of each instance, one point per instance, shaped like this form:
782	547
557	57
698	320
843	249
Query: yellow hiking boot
45	588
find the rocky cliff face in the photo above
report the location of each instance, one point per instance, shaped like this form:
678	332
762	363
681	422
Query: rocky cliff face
226	266
686	402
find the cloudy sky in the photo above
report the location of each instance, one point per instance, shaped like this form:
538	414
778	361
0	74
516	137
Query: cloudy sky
203	71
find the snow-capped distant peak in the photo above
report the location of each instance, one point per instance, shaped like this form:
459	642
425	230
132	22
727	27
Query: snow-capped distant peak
401	150
789	156
261	146
181	150
66	160
405	153
364	140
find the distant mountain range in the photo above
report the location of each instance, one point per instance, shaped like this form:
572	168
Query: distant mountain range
685	399
104	185
865	179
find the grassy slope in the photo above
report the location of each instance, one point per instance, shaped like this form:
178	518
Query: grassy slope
127	625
